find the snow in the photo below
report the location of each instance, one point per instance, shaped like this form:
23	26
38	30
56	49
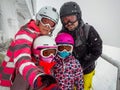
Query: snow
106	74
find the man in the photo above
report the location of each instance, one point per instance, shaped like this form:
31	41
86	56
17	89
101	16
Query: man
87	48
18	58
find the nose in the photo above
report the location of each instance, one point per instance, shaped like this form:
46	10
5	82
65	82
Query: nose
69	23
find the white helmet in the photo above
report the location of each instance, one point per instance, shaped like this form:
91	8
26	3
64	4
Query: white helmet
44	42
48	12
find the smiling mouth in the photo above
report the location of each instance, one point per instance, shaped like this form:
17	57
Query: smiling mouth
70	26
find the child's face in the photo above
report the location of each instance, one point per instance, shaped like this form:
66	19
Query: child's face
47	54
64	50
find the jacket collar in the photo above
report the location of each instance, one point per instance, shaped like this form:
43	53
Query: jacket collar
58	59
32	25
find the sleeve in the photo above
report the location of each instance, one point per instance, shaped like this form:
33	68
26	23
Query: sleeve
78	76
94	48
22	56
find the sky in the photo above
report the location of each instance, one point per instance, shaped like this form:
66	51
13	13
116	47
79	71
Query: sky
104	15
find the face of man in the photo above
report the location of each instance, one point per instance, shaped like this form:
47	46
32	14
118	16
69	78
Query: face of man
70	22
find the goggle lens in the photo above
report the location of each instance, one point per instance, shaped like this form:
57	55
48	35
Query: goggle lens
47	52
69	19
66	47
47	22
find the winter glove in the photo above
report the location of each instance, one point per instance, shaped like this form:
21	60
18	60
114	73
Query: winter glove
48	80
52	87
44	81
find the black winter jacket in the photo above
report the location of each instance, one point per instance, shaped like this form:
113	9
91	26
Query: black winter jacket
86	50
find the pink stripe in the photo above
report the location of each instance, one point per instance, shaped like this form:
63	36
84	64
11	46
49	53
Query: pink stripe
21	51
26	69
8	70
9	53
6	83
32	77
3	64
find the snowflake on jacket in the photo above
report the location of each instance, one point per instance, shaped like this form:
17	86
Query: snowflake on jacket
69	73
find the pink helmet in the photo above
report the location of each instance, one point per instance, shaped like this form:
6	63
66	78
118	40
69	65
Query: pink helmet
64	38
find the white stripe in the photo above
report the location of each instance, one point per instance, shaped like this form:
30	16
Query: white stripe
10	64
38	76
21	55
24	36
7	58
24	65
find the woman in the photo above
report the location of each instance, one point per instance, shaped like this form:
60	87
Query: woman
18	57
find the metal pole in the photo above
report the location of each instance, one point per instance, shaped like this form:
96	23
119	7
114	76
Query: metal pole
116	63
118	79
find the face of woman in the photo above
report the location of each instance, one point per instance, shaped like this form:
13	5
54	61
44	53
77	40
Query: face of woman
46	26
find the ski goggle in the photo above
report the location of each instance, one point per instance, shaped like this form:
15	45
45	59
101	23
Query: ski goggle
48	52
69	19
63	47
47	22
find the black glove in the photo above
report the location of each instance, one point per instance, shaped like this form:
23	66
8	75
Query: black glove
52	87
44	81
48	80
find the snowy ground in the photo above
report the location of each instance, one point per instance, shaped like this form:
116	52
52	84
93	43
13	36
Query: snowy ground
106	74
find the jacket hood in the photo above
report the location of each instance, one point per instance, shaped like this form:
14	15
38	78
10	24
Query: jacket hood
32	25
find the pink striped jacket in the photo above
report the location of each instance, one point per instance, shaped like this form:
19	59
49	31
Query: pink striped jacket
18	57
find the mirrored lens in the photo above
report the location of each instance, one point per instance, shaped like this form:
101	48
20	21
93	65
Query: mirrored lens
65	47
69	19
48	22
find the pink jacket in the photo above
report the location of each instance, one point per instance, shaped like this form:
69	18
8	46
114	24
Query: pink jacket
69	73
18	57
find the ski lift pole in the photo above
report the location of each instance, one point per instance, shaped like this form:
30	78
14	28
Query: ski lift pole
116	63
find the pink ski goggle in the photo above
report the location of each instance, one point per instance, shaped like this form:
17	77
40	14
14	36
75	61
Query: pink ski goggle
62	47
48	52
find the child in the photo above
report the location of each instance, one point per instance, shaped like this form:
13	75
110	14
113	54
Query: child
18	57
67	69
43	52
